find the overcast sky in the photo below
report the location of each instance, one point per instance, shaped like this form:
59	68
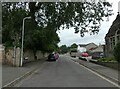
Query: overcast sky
68	37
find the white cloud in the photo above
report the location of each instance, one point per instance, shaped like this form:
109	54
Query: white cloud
68	36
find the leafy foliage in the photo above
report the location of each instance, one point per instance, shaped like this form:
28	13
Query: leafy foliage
64	49
73	46
36	38
107	59
47	18
83	16
11	24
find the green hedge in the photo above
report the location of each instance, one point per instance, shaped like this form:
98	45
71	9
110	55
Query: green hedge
107	59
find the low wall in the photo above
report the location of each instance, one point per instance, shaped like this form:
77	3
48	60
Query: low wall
11	56
8	56
2	54
29	54
114	65
39	55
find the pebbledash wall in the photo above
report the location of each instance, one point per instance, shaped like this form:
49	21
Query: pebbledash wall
11	56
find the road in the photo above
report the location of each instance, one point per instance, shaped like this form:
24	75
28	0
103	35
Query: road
0	75
63	73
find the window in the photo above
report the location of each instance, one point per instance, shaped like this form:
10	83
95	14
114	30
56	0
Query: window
112	42
118	37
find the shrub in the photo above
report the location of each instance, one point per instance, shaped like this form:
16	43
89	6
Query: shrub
117	52
107	59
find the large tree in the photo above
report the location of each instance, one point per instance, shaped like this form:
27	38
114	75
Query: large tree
36	38
47	18
83	16
12	16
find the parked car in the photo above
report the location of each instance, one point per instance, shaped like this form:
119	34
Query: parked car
56	56
97	55
51	57
85	55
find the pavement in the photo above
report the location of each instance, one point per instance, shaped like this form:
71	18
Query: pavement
107	72
12	75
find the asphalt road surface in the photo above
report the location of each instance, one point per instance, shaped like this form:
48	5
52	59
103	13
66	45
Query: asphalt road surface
63	73
0	75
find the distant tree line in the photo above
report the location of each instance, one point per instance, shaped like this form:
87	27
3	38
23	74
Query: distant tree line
64	49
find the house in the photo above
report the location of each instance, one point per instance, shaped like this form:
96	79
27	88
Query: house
112	37
98	49
88	47
92	48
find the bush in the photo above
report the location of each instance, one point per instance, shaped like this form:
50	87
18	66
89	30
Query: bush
117	52
107	59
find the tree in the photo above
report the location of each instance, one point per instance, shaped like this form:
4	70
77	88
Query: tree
117	52
47	18
74	45
83	16
36	38
11	24
64	49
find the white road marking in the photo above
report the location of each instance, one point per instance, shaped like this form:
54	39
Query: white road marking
98	75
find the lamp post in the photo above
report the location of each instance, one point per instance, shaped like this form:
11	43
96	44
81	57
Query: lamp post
21	61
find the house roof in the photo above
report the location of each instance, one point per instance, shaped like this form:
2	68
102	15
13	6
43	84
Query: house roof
98	49
89	46
114	27
82	45
92	47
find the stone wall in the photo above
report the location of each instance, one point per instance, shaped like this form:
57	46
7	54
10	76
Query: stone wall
17	62
29	54
8	56
2	54
114	65
39	55
12	56
46	54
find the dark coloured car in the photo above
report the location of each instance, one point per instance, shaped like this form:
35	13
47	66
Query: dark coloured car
97	55
51	57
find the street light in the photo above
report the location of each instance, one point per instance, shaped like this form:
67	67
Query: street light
21	61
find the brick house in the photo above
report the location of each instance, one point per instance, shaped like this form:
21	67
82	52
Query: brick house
112	37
